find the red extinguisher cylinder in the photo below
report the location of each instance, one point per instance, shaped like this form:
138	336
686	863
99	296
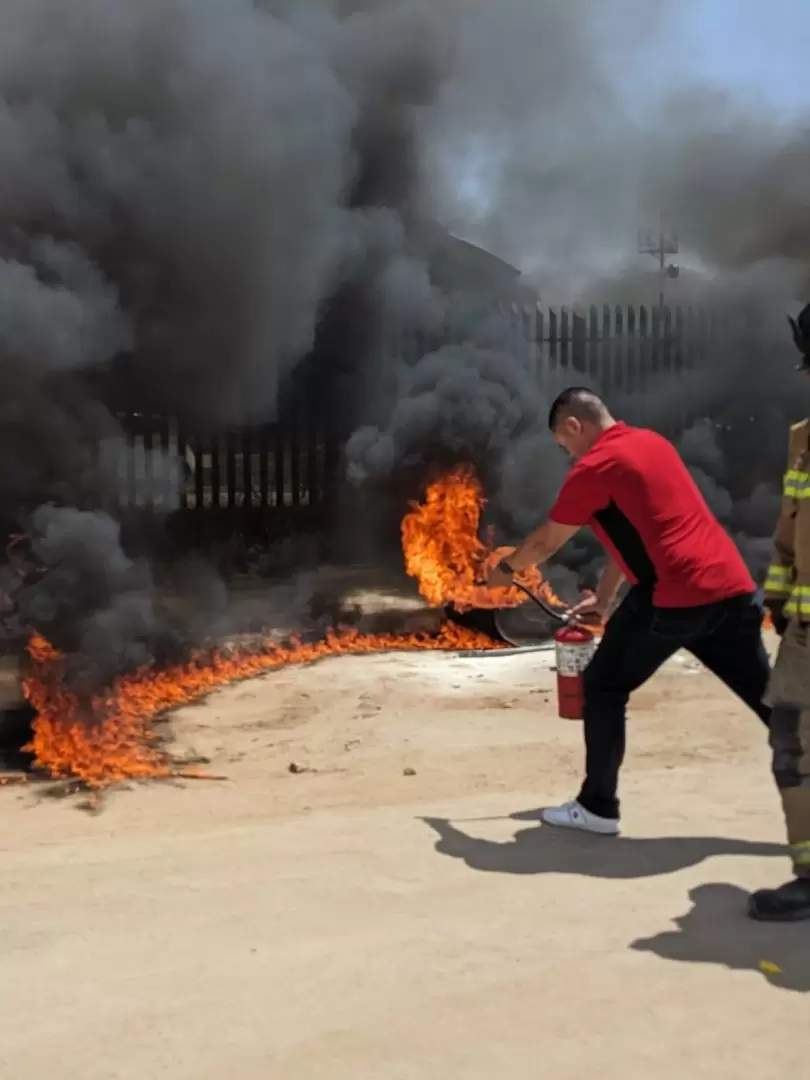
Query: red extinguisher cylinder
574	647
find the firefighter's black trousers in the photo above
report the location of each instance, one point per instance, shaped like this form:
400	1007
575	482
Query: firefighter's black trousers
725	636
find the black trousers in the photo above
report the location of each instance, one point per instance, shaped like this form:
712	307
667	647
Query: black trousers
725	636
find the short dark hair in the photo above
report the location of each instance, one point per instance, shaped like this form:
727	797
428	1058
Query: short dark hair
576	401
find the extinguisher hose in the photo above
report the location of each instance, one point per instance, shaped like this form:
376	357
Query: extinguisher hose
554	613
511	650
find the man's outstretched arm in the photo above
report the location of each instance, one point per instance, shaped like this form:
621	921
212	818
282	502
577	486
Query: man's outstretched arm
538	547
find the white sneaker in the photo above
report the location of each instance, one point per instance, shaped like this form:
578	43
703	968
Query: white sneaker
573	816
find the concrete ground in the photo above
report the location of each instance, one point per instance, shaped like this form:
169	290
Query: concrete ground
351	921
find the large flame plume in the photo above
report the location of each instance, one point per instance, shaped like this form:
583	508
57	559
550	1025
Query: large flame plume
444	551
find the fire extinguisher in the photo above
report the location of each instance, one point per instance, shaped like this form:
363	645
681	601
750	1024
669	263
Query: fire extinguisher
574	647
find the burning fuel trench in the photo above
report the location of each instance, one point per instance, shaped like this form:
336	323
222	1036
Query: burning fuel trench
200	200
196	198
102	736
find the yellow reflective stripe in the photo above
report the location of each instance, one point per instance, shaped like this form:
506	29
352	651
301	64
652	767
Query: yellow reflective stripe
799	602
779	572
796	484
779	580
800	853
777	592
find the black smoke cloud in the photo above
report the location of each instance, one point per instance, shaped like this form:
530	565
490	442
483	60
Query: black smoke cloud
474	402
94	601
541	151
200	158
207	195
458	404
193	196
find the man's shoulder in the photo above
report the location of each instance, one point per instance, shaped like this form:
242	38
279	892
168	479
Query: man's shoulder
637	445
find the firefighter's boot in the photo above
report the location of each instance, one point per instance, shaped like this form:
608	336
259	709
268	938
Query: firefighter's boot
789	903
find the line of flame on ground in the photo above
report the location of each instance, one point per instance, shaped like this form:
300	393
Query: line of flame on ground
109	738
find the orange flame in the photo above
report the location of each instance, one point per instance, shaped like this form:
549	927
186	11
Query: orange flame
444	552
109	737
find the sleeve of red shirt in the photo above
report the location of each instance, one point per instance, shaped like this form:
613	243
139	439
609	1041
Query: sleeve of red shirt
581	495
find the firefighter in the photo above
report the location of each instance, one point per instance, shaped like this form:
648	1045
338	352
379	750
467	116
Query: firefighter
787	596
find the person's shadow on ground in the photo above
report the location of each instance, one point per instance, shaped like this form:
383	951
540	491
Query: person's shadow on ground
544	850
716	930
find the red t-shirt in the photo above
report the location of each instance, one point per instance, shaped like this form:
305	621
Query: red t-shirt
635	492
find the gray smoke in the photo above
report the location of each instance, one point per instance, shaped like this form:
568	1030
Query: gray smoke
733	178
194	195
533	150
459	404
201	159
540	151
563	130
94	602
203	198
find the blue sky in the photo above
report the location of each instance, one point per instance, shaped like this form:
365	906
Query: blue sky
762	46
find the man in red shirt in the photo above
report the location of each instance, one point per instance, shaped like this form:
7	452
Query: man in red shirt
689	585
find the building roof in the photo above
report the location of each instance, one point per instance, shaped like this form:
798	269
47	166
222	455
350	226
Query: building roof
457	265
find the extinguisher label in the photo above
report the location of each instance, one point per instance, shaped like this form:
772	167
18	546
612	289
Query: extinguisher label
572	660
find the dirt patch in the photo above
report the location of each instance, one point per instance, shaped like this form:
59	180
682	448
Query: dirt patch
393	910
